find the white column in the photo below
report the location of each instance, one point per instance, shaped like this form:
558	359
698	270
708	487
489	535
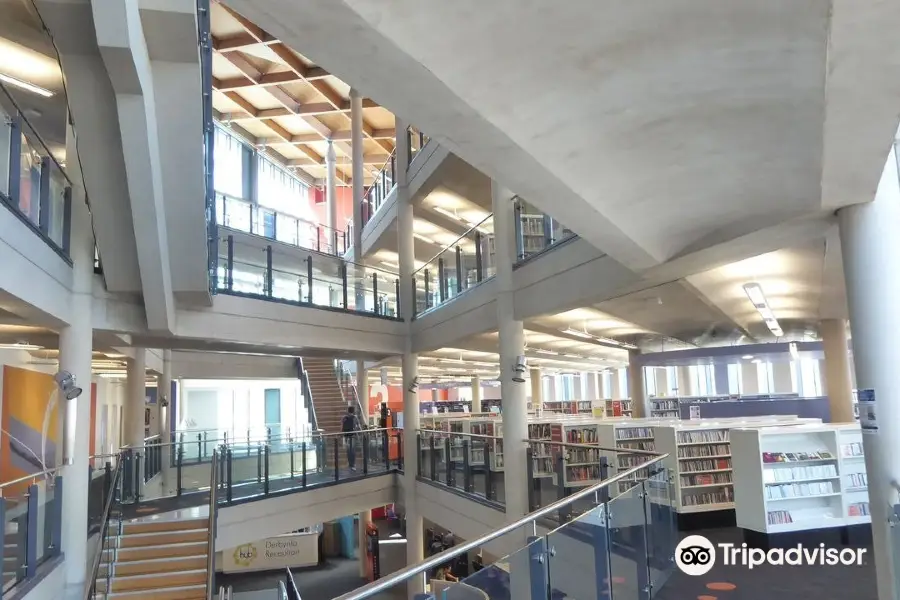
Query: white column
615	391
781	378
435	395
749	379
356	147
837	370
686	384
363	520
164	397
135	399
636	388
415	544
476	395
602	388
331	192
662	382
871	255
512	345
75	343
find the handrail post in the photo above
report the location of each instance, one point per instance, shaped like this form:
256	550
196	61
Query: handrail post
479	269
291	446
459	280
303	464
229	265
365	453
488	473
375	292
344	285
31	540
266	472
399	450
467	474
427	286
269	276
561	489
228	470
529	477
199	448
448	461
309	279
433	458
337	456
420	451
397	295
386	449
57	517
178	473
259	463
517	226
442	281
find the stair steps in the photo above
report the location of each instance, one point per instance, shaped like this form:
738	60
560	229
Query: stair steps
326	391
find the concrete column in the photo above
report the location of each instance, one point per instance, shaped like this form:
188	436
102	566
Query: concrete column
476	395
537	390
356	142
871	256
512	345
721	375
662	382
686	383
781	378
415	544
164	397
135	399
602	387
331	191
362	390
435	395
75	343
636	388
836	374
363	520
749	379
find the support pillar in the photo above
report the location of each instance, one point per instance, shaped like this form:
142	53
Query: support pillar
686	383
636	388
135	399
331	193
871	256
721	374
662	382
75	344
356	147
364	519
537	389
836	375
512	346
164	401
476	395
435	394
781	378
749	379
415	544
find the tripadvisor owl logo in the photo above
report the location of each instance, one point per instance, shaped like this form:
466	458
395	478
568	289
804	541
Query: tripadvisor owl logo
695	555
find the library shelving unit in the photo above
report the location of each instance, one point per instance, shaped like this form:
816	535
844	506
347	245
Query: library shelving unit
634	434
571	407
799	482
618	408
664	407
581	466
542	455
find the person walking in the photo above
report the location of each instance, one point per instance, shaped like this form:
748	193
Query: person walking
349	427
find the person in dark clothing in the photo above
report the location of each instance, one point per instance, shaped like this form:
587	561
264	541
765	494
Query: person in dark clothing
349	427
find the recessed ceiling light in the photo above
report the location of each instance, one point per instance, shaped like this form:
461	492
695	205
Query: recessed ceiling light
35	89
747	356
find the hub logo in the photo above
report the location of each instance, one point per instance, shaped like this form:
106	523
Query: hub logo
695	555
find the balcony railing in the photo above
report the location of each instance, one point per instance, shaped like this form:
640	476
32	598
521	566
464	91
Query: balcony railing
460	266
536	232
241	215
37	189
269	273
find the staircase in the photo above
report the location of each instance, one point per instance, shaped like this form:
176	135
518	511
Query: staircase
326	392
156	560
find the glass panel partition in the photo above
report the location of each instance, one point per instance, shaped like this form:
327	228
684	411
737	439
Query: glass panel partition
462	265
270	272
380	189
536	231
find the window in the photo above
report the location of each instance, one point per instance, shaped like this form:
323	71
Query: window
735	384
650	382
282	192
765	378
228	164
809	377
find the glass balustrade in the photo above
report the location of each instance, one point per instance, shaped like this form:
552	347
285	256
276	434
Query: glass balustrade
270	273
462	265
241	215
33	183
536	231
380	189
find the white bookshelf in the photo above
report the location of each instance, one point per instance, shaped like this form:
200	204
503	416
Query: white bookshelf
664	407
631	434
622	407
573	407
799	478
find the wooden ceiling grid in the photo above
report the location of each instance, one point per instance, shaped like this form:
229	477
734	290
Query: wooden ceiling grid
300	109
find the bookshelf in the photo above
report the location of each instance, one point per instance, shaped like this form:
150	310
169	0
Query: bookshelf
542	456
618	408
627	435
800	478
701	465
664	407
572	407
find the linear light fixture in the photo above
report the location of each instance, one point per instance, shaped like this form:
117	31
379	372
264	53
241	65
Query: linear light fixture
424	238
792	348
34	89
20	346
447	213
597	338
758	299
576	333
547	352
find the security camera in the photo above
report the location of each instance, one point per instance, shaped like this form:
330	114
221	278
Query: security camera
519	369
413	385
66	383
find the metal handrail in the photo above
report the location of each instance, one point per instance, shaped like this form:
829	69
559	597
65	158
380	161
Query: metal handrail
307	390
475	435
91	581
380	585
33	477
595	447
211	547
290	579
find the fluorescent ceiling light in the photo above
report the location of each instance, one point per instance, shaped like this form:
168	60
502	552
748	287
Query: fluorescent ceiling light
603	340
747	356
35	89
573	356
20	346
424	238
792	348
756	361
547	352
448	213
758	299
581	334
755	293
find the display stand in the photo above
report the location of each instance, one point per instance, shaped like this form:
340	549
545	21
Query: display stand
801	484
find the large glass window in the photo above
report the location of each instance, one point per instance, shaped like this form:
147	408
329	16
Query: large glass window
228	168
282	192
735	382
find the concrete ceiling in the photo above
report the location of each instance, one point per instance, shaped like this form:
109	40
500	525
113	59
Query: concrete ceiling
651	130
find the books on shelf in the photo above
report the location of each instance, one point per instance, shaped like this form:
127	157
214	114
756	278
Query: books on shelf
799	490
580	456
780	457
856	480
694	437
719	450
788	474
708	464
630	433
716	496
852	449
583	473
582	435
779	517
539	431
706	479
858	509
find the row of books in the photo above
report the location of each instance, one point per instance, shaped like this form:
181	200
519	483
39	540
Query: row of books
586	435
648	445
583	473
779	517
633	432
693	437
858	509
627	461
582	455
856	480
701	451
542	466
538	431
794	473
780	457
798	490
665	404
854	449
719	496
689	466
706	478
